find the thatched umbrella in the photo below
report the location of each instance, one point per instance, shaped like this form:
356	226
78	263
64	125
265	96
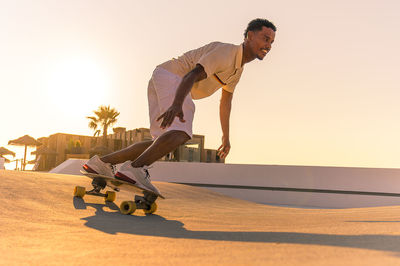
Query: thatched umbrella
25	141
4	151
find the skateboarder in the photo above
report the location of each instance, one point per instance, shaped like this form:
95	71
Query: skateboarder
173	86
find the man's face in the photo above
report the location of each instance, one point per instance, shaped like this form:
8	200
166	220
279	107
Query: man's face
261	41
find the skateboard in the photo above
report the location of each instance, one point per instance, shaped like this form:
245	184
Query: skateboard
99	182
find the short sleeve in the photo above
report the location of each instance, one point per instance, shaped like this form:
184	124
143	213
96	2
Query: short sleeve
229	88
216	60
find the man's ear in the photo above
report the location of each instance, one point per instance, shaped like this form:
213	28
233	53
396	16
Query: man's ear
250	35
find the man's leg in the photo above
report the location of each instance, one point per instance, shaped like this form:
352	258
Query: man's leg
136	172
164	144
129	153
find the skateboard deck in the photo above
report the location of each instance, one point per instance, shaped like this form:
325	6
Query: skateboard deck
118	184
99	182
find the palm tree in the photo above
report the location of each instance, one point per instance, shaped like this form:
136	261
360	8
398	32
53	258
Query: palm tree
105	117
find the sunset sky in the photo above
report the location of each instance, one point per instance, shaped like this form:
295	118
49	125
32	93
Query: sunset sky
327	94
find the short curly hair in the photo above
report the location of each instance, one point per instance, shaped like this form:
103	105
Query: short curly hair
257	24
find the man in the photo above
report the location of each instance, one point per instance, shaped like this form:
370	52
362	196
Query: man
171	90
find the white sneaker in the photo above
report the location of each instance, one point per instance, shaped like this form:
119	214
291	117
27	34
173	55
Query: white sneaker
97	166
139	176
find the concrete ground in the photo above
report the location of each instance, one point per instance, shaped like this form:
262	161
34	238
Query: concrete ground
42	223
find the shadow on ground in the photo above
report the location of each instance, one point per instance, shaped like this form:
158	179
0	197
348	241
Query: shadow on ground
112	222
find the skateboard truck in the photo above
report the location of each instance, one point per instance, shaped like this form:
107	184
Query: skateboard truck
145	202
98	184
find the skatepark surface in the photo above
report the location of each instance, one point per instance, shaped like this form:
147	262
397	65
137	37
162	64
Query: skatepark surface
42	223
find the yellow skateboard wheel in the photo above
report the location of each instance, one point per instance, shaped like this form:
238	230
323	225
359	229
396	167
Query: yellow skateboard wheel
79	192
152	209
110	196
127	207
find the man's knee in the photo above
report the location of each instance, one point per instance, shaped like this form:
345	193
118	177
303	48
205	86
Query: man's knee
181	136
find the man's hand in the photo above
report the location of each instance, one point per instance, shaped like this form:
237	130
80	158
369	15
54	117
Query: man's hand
195	75
169	116
224	149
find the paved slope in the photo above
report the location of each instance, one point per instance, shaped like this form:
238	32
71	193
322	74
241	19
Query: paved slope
41	223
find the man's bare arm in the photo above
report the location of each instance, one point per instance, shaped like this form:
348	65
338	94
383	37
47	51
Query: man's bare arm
224	114
195	75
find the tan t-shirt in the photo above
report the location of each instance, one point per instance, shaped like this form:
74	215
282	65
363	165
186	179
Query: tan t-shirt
221	61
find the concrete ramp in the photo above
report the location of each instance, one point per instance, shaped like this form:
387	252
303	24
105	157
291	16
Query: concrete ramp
302	186
69	167
42	223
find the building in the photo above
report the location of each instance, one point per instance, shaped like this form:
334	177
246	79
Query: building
60	147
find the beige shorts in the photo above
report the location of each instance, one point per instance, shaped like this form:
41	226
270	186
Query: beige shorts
161	93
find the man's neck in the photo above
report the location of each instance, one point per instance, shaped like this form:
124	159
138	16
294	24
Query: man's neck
247	56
